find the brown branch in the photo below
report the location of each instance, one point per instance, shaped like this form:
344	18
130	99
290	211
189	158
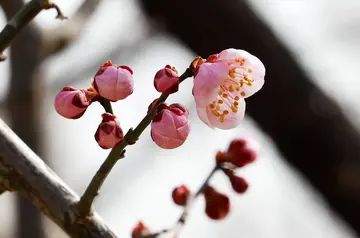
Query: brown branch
57	39
21	19
34	180
118	151
307	126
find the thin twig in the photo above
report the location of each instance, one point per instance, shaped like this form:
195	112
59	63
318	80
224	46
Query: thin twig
84	206
175	231
21	19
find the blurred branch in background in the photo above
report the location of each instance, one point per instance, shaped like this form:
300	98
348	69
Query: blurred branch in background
57	39
20	18
307	126
23	171
21	105
29	47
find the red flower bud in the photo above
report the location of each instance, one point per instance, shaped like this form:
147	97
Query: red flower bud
72	103
217	205
238	184
238	153
140	230
180	195
166	80
109	132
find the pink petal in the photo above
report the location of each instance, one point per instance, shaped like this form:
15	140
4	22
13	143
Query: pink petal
207	81
258	75
124	84
232	120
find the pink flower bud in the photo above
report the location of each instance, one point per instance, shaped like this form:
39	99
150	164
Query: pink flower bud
109	132
72	103
114	83
180	195
166	80
217	205
170	127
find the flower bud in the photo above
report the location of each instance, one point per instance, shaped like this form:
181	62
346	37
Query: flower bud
180	195
217	205
140	230
166	80
238	184
72	103
240	154
114	82
170	127
109	132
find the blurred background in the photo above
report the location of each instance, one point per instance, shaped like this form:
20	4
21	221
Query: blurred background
306	181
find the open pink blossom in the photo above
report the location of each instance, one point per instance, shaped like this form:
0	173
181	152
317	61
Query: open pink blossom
170	127
72	103
222	83
114	83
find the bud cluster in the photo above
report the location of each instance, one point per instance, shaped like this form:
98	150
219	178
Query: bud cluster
217	204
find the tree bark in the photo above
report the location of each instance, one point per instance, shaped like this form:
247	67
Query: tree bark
307	126
23	171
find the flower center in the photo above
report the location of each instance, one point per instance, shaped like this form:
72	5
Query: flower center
227	100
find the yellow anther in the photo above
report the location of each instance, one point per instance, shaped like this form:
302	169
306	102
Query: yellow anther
250	70
236	103
220	101
243	93
225	95
231	88
220	92
212	106
222	118
237	88
234	108
217	107
236	98
215	113
226	112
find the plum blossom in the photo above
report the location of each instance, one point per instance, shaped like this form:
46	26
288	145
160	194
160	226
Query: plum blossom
114	82
170	127
71	102
221	84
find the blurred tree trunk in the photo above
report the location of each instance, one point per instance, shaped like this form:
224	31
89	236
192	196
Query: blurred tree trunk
22	106
307	126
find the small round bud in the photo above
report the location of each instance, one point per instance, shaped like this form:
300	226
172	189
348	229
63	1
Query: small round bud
114	82
180	195
239	153
239	184
140	230
166	80
217	205
72	103
109	132
170	127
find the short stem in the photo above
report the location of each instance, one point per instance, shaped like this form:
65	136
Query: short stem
185	213
118	152
182	220
107	106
